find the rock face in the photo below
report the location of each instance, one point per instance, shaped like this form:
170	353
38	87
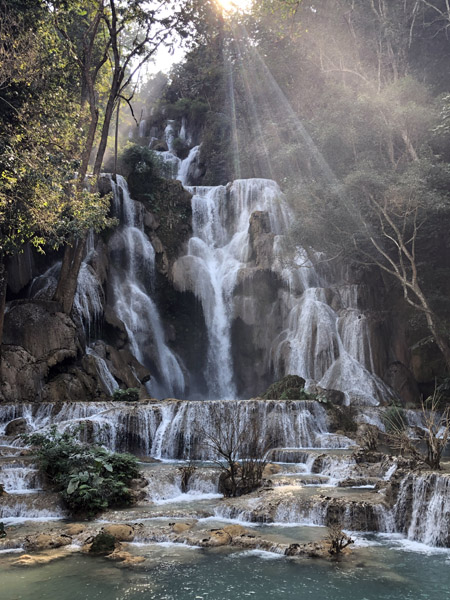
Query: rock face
403	383
40	356
47	334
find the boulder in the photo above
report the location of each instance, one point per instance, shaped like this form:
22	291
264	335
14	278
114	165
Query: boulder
122	533
16	427
219	537
235	530
44	541
75	529
271	469
181	527
102	544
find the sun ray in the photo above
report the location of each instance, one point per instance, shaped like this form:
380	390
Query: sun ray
230	6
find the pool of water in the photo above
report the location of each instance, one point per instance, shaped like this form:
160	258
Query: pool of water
384	571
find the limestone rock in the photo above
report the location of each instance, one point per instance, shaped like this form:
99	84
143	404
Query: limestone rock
261	239
181	527
37	326
20	375
271	469
28	560
16	427
44	541
402	382
219	537
20	269
235	530
75	529
122	533
126	558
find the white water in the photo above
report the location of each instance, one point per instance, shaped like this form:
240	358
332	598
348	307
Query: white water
327	345
428	519
133	271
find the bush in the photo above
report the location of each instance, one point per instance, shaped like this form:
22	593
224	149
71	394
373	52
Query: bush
142	167
89	478
394	419
128	395
291	387
180	147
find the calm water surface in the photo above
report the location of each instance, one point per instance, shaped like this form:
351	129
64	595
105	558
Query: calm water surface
174	572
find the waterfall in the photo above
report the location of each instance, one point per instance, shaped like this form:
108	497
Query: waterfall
185	166
422	511
177	429
322	337
132	276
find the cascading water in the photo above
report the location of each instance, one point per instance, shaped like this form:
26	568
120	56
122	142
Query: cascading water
316	342
132	278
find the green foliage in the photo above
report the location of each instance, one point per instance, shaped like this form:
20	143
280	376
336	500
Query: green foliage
89	478
180	147
128	395
394	419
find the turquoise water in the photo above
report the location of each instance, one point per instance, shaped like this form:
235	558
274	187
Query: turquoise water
380	572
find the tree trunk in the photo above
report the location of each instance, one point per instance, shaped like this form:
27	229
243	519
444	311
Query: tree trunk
68	278
438	338
109	111
3	285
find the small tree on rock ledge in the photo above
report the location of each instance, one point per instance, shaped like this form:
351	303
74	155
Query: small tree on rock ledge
435	435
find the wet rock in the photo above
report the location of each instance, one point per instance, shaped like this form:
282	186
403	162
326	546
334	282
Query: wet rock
44	541
181	527
271	469
16	427
122	533
335	397
126	558
75	529
102	544
261	239
20	375
235	530
219	537
28	560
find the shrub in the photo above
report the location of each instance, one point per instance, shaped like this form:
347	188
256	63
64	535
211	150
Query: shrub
89	478
128	395
394	419
291	387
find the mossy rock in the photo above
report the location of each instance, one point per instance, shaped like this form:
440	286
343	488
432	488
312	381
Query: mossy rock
291	387
103	543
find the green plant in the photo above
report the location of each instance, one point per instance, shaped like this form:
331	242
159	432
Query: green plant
128	395
291	387
394	419
89	478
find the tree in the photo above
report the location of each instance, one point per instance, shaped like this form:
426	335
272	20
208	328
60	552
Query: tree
434	436
338	539
239	448
38	138
117	37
